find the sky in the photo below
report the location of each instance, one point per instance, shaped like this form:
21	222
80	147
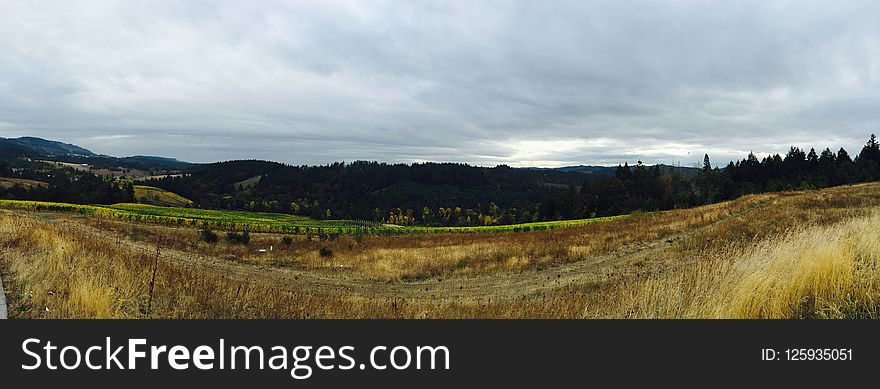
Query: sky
523	83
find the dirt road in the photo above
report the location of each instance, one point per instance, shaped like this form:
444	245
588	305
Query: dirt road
2	302
496	286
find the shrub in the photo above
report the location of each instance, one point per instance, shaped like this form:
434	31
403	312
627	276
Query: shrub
463	263
208	235
238	237
287	239
325	251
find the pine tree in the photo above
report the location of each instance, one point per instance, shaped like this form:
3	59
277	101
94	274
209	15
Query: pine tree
842	157
871	151
812	157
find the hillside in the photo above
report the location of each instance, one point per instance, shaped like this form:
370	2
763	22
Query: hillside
47	148
264	221
155	196
43	149
804	254
431	194
7	183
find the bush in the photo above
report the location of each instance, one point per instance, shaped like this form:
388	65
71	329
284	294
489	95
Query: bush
287	239
325	251
209	236
238	237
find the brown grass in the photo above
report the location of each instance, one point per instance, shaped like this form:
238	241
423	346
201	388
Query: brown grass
797	254
7	183
413	257
820	272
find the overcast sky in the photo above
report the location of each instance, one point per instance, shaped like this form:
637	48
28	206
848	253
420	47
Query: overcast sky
526	83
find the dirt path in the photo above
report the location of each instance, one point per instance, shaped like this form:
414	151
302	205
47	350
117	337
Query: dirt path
2	302
506	285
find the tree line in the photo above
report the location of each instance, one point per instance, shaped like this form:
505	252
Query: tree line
447	194
65	185
644	188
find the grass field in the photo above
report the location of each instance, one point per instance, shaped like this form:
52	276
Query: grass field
247	183
156	196
264	221
7	183
807	254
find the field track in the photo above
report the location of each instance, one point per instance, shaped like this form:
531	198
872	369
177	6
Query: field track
2	301
497	286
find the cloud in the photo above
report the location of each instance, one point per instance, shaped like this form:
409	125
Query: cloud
516	82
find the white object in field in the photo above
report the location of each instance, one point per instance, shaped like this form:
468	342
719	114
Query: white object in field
271	247
262	250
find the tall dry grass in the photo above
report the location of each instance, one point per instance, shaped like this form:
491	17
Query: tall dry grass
797	254
820	272
413	257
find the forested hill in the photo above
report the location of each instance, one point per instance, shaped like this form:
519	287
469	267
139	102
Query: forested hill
50	150
448	194
458	194
371	190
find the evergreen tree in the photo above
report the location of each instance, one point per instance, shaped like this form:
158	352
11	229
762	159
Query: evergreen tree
842	157
871	151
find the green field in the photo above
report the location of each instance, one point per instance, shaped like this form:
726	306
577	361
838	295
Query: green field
247	184
266	222
156	196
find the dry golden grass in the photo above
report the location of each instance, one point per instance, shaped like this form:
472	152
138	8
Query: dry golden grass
821	272
413	257
797	254
7	183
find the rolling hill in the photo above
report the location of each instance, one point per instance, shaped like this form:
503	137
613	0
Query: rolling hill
48	148
155	196
43	149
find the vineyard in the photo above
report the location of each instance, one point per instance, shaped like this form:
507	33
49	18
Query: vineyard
152	195
266	222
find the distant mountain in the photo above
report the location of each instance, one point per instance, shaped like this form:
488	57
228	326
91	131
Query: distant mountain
13	150
48	148
38	148
600	171
151	161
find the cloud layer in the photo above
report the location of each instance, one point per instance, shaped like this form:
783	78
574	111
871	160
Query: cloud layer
524	83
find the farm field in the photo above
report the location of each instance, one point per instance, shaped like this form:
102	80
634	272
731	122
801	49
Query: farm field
777	255
7	183
264	221
247	184
156	196
119	172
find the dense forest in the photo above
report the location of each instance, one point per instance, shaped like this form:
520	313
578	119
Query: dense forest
646	188
447	194
61	184
457	194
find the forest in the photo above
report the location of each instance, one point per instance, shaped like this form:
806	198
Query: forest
62	185
452	194
448	194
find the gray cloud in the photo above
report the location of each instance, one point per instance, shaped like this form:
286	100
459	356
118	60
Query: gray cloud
517	82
